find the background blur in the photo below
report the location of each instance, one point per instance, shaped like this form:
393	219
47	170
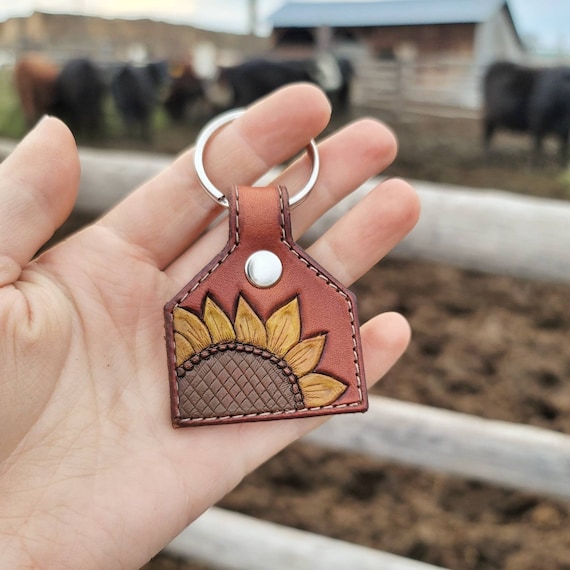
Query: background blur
144	77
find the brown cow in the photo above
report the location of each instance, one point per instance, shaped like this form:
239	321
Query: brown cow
35	80
185	91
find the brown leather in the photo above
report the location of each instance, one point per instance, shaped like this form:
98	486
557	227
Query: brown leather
226	382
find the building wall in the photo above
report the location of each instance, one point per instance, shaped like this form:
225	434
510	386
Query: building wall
392	42
426	41
496	39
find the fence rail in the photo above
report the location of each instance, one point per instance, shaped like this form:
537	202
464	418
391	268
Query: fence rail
503	453
489	230
238	542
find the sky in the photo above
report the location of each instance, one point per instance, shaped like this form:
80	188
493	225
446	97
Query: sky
546	21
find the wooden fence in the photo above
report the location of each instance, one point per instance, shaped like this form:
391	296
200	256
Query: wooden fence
439	87
491	231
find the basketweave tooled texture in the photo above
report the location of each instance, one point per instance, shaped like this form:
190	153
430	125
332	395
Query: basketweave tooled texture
234	379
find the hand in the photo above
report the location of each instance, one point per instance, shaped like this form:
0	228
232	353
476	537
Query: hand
92	475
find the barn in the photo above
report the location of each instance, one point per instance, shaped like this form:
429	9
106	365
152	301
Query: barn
428	51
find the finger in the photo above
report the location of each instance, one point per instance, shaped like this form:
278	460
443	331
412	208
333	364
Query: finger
360	151
348	158
164	216
38	186
369	231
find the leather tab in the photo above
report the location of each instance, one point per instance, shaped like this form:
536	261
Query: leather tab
258	212
238	352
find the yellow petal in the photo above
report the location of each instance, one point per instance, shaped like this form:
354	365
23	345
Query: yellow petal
249	327
184	349
305	356
284	328
218	324
192	329
320	390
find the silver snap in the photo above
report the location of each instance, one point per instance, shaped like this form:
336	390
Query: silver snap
263	269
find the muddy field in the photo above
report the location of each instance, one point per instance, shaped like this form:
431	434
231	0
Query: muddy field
487	345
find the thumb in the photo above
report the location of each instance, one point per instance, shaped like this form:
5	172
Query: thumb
38	187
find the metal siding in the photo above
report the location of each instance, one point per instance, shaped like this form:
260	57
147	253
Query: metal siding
383	13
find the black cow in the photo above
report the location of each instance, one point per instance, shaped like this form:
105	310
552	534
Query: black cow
243	84
135	91
526	99
79	93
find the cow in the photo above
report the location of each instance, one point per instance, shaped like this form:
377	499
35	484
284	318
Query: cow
525	99
186	89
35	82
135	91
243	84
80	92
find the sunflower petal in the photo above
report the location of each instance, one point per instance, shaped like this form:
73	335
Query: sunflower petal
284	328
192	329
220	327
305	356
249	327
320	390
183	349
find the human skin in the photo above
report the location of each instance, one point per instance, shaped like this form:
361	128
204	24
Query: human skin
92	474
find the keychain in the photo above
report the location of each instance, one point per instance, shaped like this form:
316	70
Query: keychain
263	332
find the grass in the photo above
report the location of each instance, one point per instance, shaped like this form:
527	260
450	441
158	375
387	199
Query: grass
12	123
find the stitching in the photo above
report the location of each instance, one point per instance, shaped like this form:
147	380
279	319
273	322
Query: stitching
327	281
260	414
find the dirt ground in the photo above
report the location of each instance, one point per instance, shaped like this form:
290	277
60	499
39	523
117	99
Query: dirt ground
494	346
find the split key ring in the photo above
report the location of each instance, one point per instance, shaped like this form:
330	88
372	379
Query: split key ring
217	195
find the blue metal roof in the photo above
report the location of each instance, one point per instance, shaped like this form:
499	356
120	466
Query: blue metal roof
383	13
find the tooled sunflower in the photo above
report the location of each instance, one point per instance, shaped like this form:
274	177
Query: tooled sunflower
248	366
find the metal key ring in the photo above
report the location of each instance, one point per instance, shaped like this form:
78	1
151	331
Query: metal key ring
210	129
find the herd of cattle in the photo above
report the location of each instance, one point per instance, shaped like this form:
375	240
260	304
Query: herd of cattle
516	97
77	91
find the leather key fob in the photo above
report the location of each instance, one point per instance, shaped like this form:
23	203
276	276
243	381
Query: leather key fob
262	332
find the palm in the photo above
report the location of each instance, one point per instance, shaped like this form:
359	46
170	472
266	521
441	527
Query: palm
88	459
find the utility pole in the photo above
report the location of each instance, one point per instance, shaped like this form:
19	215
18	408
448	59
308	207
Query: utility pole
252	10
